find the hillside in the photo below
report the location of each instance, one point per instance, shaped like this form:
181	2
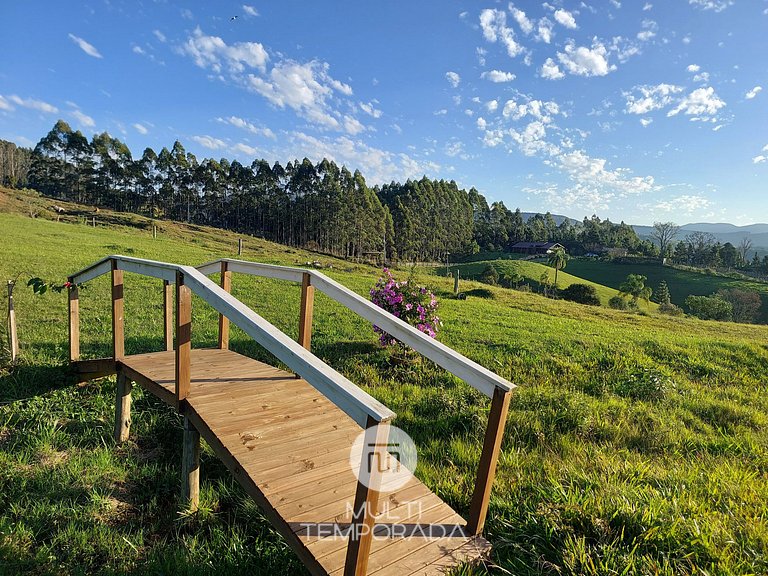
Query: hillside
681	283
532	273
635	444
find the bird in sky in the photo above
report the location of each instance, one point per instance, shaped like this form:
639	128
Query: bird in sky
233	18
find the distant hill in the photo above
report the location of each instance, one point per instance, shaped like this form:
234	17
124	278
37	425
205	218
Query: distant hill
558	218
724	232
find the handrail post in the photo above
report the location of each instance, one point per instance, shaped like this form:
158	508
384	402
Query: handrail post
226	285
168	315
488	459
183	338
118	320
305	316
74	323
366	497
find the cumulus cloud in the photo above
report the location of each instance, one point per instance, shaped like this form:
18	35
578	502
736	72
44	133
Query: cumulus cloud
453	78
714	5
245	149
522	20
159	35
89	49
140	128
210	142
754	92
583	61
646	122
551	71
701	104
693	68
369	109
492	105
759	159
83	119
33	104
213	53
494	26
644	99
498	76
248	126
544	30
565	18
686	204
250	10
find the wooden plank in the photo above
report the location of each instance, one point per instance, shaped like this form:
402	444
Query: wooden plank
92	369
489	457
305	314
93	271
226	285
366	498
266	270
74	324
168	289
190	465
166	393
122	407
149	268
118	311
183	338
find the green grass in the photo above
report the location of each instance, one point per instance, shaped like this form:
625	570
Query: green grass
635	444
532	272
681	283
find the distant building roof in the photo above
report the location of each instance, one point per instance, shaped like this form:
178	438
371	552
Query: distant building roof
544	245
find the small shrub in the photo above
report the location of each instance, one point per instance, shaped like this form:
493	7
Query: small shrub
670	309
480	293
710	308
490	275
581	293
619	303
645	384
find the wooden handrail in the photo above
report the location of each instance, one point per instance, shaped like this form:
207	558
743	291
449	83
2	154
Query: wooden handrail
338	389
462	367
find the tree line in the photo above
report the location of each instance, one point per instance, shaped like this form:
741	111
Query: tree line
320	206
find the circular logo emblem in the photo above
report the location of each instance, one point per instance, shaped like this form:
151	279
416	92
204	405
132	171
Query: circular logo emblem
386	464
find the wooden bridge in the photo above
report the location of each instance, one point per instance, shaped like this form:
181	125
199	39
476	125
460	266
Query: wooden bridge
287	436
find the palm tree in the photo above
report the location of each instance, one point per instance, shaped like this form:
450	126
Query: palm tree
558	258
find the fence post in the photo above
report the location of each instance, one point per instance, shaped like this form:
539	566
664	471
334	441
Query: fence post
74	323
118	320
168	315
226	285
122	407
183	339
488	459
12	334
366	498
239	246
456	282
307	305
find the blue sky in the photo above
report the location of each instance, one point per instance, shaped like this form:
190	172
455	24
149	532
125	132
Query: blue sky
634	110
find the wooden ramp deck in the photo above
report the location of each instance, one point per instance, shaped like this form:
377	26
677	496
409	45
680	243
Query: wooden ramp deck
290	447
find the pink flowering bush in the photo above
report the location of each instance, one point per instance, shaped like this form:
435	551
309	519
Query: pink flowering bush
413	304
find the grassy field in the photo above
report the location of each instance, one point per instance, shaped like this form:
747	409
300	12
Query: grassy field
635	444
532	273
682	283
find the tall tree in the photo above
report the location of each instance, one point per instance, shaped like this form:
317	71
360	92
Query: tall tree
557	258
663	234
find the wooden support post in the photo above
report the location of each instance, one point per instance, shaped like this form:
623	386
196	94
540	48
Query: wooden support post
307	305
183	338
190	465
12	334
226	285
122	407
74	323
168	314
488	460
118	321
154	232
374	457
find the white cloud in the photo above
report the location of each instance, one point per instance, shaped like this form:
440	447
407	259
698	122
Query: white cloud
140	128
250	10
5	105
353	125
159	35
754	92
765	148
522	20
565	18
245	125
370	109
583	61
551	71
702	103
715	5
544	30
494	25
212	52
686	204
242	148
650	98
453	78
481	123
138	50
83	119
33	104
210	142
645	35
186	13
492	105
85	46
497	76
648	6
759	159
441	112
646	122
693	68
